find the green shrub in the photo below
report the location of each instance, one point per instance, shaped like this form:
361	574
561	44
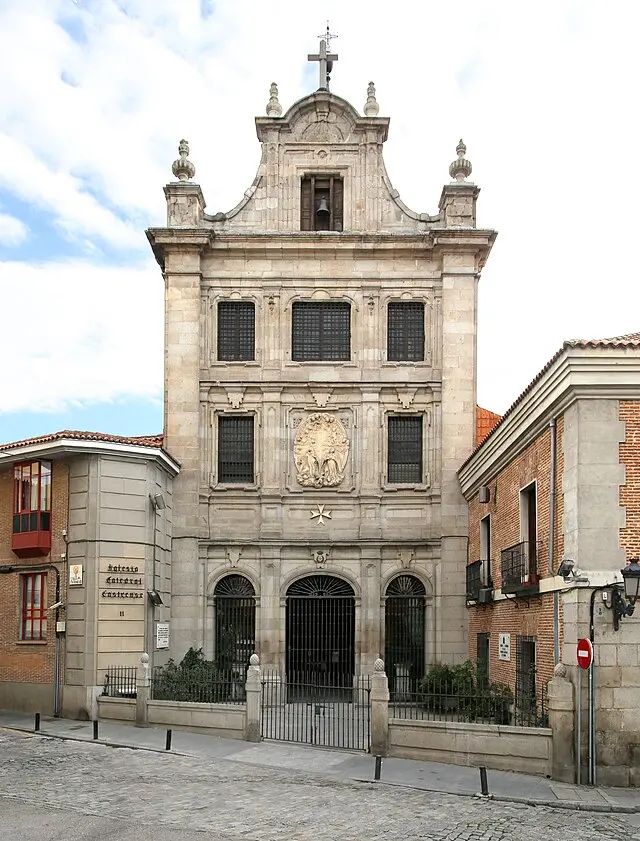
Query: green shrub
194	679
457	689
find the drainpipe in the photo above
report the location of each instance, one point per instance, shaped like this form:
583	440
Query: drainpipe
552	534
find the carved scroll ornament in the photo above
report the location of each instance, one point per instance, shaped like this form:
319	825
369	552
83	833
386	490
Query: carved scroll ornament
320	451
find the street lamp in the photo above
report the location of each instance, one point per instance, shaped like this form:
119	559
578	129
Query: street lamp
624	605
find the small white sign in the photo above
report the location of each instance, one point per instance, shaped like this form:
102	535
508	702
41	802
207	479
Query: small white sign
75	575
504	646
162	635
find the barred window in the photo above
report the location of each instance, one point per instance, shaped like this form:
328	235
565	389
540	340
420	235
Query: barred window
482	658
321	330
235	448
33	619
236	331
405	449
405	332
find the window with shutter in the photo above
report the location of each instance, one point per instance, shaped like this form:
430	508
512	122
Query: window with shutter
404	458
321	331
321	203
405	332
235	449
236	331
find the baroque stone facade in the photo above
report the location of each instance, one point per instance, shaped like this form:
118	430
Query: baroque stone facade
319	486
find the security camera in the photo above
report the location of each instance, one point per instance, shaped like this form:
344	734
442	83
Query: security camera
56	606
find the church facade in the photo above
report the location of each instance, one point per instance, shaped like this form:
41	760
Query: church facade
320	396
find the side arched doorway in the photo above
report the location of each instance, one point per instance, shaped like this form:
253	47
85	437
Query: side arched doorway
235	627
320	637
404	621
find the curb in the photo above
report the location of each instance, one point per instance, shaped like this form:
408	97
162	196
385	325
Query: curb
569	805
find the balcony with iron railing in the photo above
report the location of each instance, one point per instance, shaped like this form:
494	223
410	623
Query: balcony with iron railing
478	578
519	566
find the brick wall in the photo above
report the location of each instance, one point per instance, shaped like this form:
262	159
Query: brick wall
519	617
30	662
630	491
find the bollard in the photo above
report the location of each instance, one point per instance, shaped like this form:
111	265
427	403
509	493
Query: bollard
483	781
95	728
376	775
36	726
167	745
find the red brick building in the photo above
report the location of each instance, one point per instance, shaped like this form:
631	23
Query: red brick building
558	477
67	501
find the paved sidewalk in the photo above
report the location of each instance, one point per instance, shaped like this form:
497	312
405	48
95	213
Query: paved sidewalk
345	765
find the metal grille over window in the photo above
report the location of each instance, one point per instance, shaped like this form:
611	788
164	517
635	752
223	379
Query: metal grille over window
404	622
235	612
235	448
321	331
405	450
236	331
526	700
482	659
405	332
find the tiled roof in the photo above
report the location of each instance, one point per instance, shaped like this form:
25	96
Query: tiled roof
485	421
630	341
140	441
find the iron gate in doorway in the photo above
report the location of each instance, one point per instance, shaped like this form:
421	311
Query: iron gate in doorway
318	700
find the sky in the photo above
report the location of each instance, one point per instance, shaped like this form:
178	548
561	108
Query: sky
96	94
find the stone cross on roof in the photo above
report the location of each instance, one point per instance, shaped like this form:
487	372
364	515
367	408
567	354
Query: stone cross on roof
325	60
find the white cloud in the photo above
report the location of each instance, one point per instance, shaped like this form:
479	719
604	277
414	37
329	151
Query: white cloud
12	231
543	96
79	333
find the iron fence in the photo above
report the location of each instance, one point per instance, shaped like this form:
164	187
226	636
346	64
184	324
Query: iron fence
207	686
121	682
490	705
316	713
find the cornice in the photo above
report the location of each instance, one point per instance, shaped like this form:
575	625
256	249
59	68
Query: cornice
576	374
71	447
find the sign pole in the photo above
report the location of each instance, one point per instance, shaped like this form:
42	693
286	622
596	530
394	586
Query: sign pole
579	733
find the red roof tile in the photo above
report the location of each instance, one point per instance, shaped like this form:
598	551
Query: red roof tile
485	421
140	441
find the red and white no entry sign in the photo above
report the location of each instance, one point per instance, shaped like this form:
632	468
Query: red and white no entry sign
585	653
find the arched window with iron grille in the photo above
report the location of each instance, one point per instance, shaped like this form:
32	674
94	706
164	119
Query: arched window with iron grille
235	623
405	605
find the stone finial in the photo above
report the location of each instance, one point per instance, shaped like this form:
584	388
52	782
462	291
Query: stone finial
560	670
274	109
461	168
371	106
378	666
254	660
144	659
182	168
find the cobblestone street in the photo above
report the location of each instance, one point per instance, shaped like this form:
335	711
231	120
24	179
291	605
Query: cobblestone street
51	788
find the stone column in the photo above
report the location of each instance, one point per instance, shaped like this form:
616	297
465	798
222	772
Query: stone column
254	691
142	694
560	700
379	710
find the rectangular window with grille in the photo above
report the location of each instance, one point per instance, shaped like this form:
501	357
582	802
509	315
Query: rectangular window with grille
321	330
405	332
525	673
482	659
235	449
236	331
321	203
33	619
405	450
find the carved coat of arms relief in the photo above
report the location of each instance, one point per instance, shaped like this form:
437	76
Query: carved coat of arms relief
320	451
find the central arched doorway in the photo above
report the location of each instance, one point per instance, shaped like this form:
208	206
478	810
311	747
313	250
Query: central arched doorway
320	637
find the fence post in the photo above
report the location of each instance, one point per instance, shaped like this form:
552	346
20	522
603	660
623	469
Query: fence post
560	701
253	688
142	692
379	710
